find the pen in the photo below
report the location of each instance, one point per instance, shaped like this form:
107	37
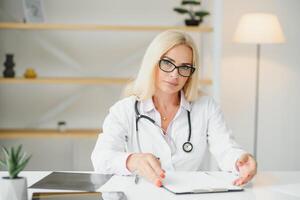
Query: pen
136	179
126	143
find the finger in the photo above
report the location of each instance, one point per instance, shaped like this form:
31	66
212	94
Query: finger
253	163
238	181
150	174
156	166
242	176
248	169
235	181
243	159
243	180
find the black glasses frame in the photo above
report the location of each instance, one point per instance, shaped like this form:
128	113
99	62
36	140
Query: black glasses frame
176	67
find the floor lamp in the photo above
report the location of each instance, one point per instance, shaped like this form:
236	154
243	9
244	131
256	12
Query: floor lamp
258	28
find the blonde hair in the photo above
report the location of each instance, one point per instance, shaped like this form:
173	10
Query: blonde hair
144	86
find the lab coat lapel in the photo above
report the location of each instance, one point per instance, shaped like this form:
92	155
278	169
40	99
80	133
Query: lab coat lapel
152	141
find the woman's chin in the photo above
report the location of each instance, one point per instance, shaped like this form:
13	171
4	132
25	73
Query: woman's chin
170	90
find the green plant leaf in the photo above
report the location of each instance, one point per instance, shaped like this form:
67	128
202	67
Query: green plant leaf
190	2
14	160
13	175
20	167
6	156
6	153
181	10
10	166
13	154
25	161
3	163
201	13
18	151
22	158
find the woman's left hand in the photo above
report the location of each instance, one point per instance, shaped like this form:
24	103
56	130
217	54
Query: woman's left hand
247	167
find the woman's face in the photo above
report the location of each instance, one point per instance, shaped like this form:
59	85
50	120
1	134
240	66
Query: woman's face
173	82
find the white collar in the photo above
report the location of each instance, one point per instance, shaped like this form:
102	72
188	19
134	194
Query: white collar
148	105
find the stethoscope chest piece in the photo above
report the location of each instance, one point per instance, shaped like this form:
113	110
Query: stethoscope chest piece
187	147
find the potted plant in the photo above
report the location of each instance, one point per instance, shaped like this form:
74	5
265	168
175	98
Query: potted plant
14	187
196	17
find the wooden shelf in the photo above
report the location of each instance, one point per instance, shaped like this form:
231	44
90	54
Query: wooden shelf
73	80
40	133
64	80
97	27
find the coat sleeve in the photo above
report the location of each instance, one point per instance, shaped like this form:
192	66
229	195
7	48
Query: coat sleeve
109	155
220	139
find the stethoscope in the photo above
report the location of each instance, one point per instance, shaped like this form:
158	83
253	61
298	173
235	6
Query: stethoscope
187	146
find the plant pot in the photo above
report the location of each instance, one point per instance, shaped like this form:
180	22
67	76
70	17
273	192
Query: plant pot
13	189
193	22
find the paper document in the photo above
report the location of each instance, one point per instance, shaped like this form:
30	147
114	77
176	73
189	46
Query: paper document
198	182
178	182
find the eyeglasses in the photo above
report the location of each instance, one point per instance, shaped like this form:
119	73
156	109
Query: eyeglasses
184	70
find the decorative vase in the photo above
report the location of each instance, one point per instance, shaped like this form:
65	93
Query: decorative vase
13	189
193	22
30	73
9	64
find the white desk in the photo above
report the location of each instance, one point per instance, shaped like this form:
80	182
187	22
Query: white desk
33	177
281	185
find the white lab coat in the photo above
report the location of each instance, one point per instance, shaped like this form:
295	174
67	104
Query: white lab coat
209	130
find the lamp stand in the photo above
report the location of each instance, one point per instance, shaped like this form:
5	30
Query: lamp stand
256	99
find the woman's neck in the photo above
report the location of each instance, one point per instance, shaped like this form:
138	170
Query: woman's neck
165	101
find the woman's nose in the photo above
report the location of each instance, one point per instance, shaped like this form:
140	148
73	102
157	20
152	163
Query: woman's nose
174	73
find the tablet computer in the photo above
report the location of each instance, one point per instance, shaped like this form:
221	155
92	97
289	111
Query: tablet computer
85	182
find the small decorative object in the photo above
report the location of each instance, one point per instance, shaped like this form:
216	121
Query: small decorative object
33	11
9	64
196	17
30	73
14	187
61	126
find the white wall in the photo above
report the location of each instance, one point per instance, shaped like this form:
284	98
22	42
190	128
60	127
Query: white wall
61	53
74	53
279	124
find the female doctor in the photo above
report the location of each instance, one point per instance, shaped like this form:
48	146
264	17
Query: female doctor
165	123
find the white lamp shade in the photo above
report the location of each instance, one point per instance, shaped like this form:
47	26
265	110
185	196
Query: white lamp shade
259	28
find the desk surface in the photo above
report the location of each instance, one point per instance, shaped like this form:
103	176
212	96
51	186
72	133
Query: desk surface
266	185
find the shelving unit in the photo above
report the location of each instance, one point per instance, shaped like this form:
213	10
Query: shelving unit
97	27
64	80
41	133
74	80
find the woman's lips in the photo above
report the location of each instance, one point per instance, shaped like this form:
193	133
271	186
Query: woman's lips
171	83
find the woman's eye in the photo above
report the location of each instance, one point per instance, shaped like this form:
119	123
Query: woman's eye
185	67
168	63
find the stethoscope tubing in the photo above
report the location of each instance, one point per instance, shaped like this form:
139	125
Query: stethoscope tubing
140	116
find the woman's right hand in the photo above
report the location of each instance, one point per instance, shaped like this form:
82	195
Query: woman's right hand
146	165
